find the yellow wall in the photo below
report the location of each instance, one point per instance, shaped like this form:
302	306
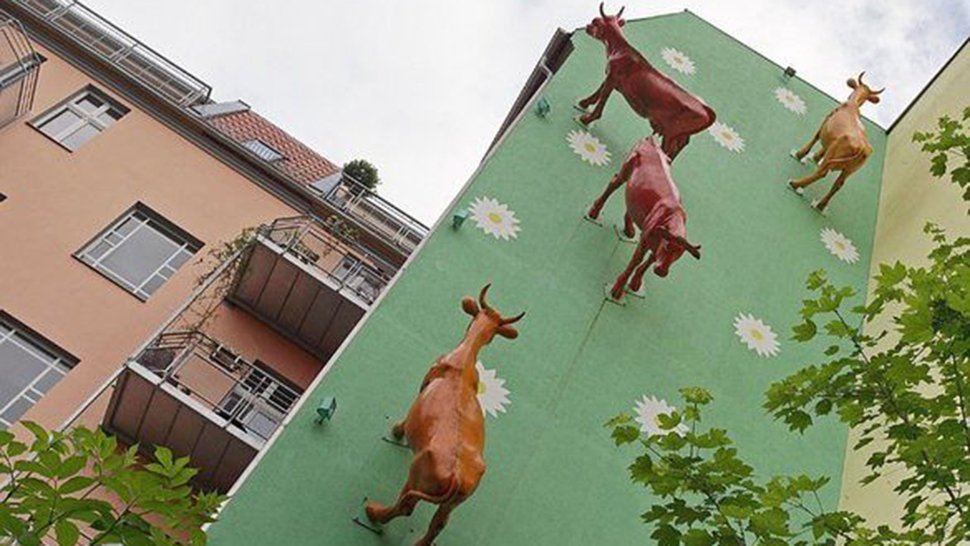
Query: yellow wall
910	197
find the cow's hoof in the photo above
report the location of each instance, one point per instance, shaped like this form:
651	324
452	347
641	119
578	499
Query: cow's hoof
793	153
637	292
579	106
373	511
592	219
794	188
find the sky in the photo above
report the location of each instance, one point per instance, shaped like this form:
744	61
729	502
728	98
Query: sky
420	88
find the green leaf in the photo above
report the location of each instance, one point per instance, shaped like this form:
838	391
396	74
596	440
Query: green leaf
67	533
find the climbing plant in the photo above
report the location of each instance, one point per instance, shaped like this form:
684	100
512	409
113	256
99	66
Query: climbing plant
56	489
897	370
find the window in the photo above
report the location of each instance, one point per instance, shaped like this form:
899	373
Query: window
140	251
29	366
80	118
263	150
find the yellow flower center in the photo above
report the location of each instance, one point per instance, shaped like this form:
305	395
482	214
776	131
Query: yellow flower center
590	147
757	335
481	388
727	135
495	217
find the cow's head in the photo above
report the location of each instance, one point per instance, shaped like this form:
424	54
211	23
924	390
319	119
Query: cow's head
671	245
482	311
602	26
861	92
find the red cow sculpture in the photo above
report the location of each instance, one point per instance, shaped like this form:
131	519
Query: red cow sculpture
445	427
673	112
844	144
653	204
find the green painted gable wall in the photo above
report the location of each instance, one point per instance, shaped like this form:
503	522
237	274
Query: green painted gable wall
554	476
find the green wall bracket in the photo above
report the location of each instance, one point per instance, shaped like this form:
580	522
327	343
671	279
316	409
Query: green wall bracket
543	107
458	218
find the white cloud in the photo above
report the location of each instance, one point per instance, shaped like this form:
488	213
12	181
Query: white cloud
420	88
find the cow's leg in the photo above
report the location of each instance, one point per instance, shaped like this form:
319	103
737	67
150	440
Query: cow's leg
637	280
604	94
618	180
585	103
629	228
835	188
808	147
406	501
810	179
673	145
638	255
438	522
819	154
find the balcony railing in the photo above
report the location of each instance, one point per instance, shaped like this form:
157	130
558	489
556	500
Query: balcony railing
373	211
243	394
347	264
102	38
19	66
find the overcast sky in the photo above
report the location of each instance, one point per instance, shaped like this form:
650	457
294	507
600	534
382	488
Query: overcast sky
419	88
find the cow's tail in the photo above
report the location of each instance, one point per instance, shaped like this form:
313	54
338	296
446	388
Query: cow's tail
437	499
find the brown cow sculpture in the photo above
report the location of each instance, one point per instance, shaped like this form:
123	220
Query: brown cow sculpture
674	113
445	427
844	144
653	204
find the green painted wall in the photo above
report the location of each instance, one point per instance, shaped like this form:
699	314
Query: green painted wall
554	476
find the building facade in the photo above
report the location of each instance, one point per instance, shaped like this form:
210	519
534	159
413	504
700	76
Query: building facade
553	475
174	269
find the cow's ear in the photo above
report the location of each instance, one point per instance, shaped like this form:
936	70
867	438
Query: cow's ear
852	83
873	99
622	22
469	306
507	331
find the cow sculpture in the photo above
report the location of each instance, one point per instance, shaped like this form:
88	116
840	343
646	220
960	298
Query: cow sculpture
673	112
445	427
844	144
652	203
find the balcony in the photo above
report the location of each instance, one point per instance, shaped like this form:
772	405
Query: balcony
372	211
309	284
19	67
94	33
199	397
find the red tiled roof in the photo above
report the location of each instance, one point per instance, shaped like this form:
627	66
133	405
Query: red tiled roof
300	162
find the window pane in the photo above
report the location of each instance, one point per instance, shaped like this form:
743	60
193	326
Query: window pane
16	410
130	224
77	139
18	367
49	380
97	251
59	123
140	255
89	103
109	117
153	284
180	259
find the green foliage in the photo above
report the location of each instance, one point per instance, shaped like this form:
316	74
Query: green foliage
896	369
950	144
364	172
56	489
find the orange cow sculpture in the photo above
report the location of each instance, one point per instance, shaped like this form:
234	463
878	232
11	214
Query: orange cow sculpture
445	427
844	144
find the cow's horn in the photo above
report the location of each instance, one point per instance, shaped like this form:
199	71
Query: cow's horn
481	297
514	319
620	13
877	92
859	79
602	13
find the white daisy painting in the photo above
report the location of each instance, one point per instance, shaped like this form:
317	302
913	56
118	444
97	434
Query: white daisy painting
839	245
790	100
678	60
588	148
495	218
492	394
647	410
726	136
757	335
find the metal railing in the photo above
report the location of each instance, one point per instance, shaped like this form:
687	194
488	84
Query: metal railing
99	36
19	66
247	396
375	212
346	263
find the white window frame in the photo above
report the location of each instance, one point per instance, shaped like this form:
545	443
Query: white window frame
86	117
53	358
146	219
